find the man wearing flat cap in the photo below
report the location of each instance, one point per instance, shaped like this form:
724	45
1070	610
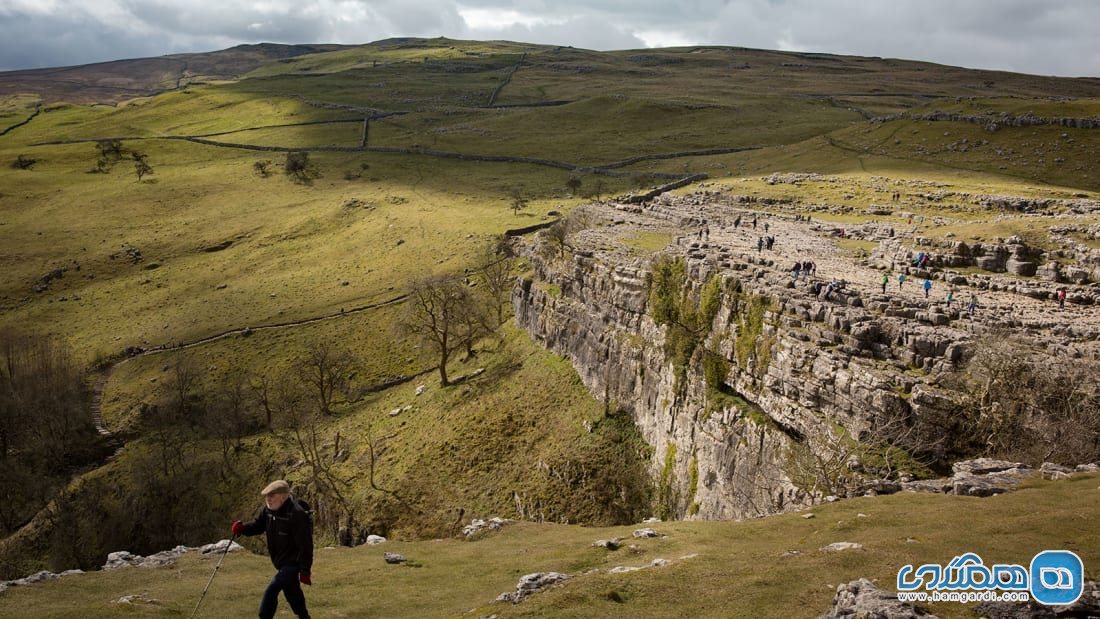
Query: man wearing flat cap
290	544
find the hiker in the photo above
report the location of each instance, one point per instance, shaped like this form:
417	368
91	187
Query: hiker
771	241
1061	298
754	222
737	222
901	280
973	304
885	278
290	544
765	227
950	297
759	244
796	270
927	287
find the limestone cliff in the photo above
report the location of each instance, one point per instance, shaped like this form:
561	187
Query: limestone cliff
756	410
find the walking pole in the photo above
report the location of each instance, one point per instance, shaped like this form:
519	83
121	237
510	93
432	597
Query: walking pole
216	568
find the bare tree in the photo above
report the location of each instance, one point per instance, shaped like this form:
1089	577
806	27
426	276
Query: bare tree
598	189
141	164
108	152
227	417
303	427
436	307
262	390
1012	390
299	167
324	371
494	272
263	168
820	467
558	234
518	201
573	184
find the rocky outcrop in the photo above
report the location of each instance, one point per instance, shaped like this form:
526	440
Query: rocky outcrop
1011	256
122	558
753	409
981	477
860	599
530	584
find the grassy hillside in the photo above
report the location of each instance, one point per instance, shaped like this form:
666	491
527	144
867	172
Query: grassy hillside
762	568
205	244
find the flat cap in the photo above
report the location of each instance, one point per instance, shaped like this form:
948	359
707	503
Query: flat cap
278	486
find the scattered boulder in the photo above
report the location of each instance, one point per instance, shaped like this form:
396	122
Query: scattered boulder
393	558
136	598
374	540
840	546
219	546
610	544
645	533
860	599
43	283
478	525
121	558
530	584
1050	470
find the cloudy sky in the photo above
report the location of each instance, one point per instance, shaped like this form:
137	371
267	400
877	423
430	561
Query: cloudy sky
1048	37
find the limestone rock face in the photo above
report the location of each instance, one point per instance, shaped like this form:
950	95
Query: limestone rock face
787	365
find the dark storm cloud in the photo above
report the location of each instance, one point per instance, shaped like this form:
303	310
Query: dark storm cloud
1021	35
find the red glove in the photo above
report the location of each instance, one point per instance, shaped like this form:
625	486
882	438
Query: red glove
237	528
305	579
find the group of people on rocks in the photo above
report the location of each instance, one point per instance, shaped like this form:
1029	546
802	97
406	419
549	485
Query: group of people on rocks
805	269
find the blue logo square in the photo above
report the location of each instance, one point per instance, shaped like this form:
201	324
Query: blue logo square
1057	577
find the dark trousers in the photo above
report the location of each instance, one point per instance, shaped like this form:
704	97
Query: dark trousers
286	580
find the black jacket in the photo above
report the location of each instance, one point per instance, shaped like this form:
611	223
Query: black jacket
289	541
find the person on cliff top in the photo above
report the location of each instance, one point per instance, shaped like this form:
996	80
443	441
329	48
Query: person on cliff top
885	279
927	287
973	304
901	280
290	544
950	297
1061	298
